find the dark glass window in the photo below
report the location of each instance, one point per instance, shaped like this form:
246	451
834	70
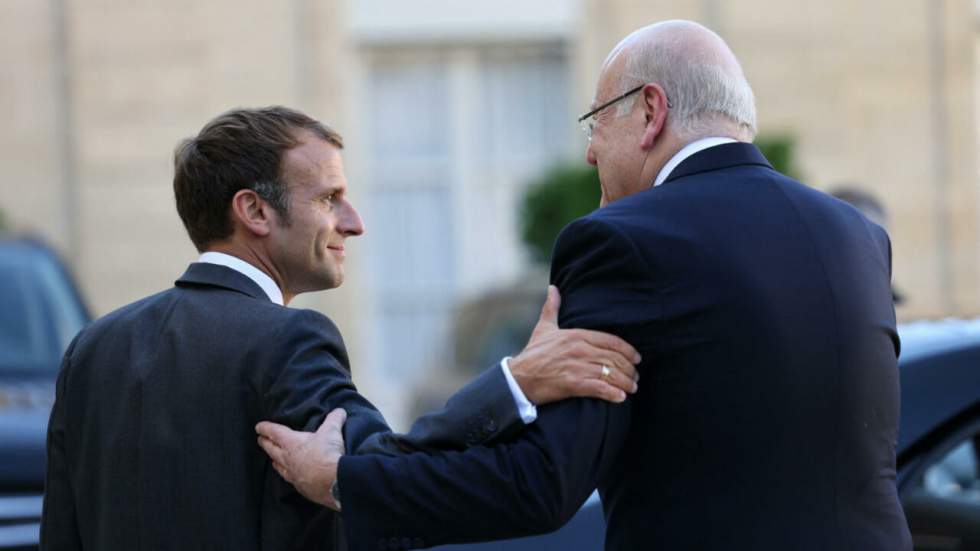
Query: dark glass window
39	310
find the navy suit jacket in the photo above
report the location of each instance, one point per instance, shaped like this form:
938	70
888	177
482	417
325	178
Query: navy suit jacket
767	414
151	443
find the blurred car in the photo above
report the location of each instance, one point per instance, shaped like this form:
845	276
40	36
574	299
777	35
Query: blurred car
938	452
939	440
41	312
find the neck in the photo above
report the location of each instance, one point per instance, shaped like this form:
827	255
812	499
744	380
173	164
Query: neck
659	156
254	255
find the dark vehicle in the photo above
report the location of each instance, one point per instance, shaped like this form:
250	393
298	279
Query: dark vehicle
40	312
939	441
938	448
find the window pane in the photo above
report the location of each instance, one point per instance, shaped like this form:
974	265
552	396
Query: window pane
409	103
40	314
956	476
455	133
525	107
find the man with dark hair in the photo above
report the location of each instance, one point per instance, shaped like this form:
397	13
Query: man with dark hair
239	149
151	443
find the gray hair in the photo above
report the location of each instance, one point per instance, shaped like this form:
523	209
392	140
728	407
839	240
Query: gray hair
706	96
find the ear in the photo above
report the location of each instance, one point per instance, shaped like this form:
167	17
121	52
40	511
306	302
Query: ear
654	105
252	213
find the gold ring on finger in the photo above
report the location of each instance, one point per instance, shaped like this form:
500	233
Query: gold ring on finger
605	373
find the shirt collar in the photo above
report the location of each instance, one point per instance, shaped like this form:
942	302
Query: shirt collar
685	152
258	276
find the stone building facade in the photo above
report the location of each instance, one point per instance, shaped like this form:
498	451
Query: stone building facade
448	109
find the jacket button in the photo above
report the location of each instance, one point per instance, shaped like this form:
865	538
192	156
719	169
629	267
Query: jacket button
393	543
491	425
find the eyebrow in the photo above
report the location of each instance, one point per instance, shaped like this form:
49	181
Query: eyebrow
327	191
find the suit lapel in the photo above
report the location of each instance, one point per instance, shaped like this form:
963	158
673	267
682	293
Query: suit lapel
214	275
718	157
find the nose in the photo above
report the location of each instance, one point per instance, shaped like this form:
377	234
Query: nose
590	155
350	223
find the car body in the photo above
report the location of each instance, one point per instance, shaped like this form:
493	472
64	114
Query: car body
42	311
939	441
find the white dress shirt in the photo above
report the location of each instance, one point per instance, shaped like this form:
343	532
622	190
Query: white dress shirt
258	276
685	152
525	408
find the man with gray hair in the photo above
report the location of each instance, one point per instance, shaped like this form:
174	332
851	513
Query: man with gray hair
762	309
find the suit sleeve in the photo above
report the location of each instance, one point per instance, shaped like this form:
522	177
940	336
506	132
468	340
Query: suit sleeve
315	378
533	483
481	412
887	248
59	525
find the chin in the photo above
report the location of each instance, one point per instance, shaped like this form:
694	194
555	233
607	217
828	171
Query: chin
334	278
322	282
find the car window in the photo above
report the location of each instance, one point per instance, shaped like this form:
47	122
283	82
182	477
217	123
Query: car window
942	503
956	475
40	313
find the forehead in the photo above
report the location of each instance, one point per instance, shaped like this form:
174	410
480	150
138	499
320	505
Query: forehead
314	160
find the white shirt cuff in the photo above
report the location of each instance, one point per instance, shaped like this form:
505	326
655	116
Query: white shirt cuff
527	410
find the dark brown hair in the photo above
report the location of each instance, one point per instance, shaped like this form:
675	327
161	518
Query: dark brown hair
239	149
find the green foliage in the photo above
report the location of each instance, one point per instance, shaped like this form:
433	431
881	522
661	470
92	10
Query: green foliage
568	191
781	152
563	193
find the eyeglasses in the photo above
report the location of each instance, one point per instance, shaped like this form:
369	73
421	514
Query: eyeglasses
588	120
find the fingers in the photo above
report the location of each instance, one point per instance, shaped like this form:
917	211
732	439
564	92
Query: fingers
549	311
281	470
618	378
281	435
610	342
333	423
613	387
275	453
616	362
596	388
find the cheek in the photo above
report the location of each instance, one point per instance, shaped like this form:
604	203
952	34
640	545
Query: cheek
329	228
325	232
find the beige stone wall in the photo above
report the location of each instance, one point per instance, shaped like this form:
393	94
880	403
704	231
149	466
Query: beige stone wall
85	155
870	99
30	175
141	76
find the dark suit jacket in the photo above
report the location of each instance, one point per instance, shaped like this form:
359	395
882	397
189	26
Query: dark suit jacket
767	414
151	443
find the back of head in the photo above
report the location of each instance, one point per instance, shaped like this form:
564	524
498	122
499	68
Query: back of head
705	85
239	149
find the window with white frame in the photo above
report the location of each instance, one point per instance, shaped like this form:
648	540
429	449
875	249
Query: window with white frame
454	136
